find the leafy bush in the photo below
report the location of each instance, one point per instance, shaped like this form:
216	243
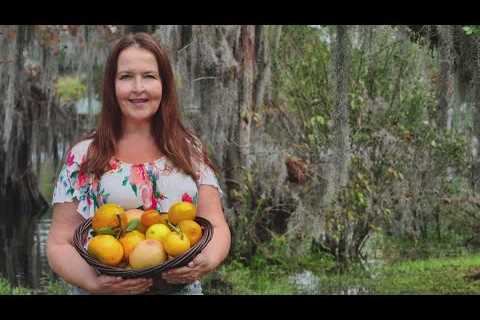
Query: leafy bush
7	289
69	89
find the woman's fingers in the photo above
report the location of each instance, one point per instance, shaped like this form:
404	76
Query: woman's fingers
193	271
182	275
139	289
127	286
106	282
178	272
136	284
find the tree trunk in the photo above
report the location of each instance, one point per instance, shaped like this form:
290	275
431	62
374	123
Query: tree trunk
246	56
337	173
444	48
19	195
337	169
476	117
341	135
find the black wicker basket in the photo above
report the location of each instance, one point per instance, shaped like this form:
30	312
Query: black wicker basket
80	239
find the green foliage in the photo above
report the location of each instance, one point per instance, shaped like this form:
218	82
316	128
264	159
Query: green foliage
56	287
400	248
49	286
7	289
70	89
301	74
251	207
352	205
472	30
403	164
450	150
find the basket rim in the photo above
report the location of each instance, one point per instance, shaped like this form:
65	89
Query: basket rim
81	233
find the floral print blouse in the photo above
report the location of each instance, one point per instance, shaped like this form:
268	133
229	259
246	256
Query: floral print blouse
152	185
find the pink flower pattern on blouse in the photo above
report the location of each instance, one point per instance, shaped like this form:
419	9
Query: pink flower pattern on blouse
137	175
70	158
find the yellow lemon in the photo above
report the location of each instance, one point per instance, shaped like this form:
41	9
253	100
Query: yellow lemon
176	243
191	229
158	232
130	240
182	210
106	249
107	216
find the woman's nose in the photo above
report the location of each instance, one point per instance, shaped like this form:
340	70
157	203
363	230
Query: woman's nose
138	85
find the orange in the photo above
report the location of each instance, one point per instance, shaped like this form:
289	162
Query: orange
150	217
107	216
147	253
176	243
130	240
106	249
191	229
181	211
129	216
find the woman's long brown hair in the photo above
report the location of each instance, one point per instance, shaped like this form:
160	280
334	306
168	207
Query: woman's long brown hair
175	141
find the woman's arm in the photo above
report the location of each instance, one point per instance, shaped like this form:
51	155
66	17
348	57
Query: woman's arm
68	264
210	208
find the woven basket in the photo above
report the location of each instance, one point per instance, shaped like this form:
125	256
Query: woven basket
80	239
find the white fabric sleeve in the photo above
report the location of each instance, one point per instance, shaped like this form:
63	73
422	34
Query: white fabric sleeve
70	185
207	177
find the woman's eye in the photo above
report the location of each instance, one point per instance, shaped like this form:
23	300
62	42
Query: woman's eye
125	76
150	76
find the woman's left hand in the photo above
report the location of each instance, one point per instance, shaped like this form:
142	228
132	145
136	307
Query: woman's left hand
195	269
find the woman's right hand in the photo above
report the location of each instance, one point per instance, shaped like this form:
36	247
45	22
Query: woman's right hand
117	285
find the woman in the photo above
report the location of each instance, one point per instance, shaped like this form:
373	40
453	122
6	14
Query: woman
139	156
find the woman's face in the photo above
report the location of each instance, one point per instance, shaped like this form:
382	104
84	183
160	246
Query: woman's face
138	86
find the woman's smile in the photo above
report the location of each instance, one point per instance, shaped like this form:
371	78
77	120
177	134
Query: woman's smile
139	102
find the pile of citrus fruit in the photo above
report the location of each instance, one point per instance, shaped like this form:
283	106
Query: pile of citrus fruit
137	239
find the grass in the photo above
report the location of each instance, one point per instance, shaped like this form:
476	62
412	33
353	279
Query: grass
7	289
50	287
430	276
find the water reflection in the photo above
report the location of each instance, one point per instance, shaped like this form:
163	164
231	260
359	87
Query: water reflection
23	256
40	270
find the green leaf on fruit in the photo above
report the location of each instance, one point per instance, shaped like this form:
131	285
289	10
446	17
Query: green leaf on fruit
105	230
132	225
